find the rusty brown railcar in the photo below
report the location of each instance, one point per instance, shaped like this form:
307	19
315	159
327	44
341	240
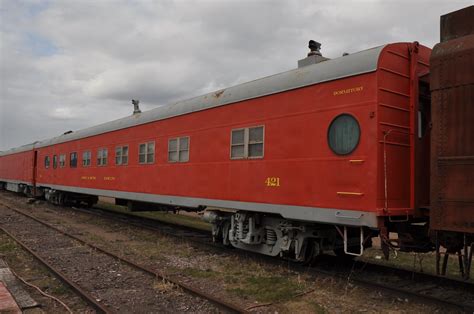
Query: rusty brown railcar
452	134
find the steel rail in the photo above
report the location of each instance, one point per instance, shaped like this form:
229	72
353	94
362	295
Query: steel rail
403	292
150	224
185	287
313	270
144	222
58	274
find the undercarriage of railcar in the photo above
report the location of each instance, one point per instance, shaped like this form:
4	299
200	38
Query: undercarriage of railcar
275	236
300	241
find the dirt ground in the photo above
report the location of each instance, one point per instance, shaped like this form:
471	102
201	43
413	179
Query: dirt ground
114	284
34	273
258	286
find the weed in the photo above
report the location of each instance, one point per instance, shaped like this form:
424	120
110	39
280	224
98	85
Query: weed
164	286
317	308
7	247
413	261
267	288
59	290
199	273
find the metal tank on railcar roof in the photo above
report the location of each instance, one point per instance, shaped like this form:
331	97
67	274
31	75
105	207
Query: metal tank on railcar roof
452	147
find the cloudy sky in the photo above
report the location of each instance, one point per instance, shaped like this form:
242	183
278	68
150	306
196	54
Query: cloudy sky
67	65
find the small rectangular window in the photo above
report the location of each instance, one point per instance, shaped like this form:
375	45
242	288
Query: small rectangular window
178	149
146	153
121	155
62	160
55	161
86	159
238	144
73	160
125	155
247	143
183	145
255	142
102	157
46	162
173	150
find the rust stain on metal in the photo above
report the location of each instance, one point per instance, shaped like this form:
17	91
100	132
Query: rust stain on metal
457	24
219	93
452	148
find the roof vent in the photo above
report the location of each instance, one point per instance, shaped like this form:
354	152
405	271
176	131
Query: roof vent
136	108
314	55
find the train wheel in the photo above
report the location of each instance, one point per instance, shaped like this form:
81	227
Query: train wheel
312	251
62	199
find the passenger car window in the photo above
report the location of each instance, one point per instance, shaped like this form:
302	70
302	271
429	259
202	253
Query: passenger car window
343	134
255	142
73	160
178	149
121	155
247	143
146	153
102	157
86	158
46	162
237	149
62	161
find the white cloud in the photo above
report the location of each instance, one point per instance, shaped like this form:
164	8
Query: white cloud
67	65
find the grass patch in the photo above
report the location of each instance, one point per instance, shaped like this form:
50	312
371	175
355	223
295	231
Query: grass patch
59	290
317	308
422	262
163	286
188	221
7	247
27	267
267	288
95	238
199	273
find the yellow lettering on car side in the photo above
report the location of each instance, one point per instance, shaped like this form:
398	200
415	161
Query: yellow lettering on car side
272	181
348	90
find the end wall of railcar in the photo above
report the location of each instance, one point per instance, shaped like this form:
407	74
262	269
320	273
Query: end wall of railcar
452	85
402	183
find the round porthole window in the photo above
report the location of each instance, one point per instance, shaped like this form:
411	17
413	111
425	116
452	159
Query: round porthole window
343	134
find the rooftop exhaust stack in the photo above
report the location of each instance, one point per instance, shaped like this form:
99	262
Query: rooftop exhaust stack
136	109
314	55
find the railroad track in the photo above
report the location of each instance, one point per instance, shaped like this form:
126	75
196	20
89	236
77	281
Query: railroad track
86	295
456	294
452	293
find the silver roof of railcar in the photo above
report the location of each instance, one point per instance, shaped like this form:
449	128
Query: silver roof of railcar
357	63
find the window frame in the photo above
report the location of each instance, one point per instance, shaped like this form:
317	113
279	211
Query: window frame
178	148
70	160
62	164
121	147
89	155
55	161
247	143
101	158
146	162
47	162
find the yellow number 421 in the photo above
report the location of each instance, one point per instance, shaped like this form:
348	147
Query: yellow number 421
272	181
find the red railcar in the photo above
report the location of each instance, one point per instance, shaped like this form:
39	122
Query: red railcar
17	168
334	143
